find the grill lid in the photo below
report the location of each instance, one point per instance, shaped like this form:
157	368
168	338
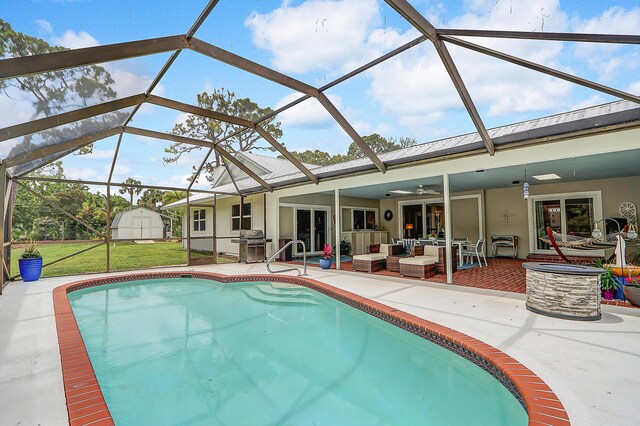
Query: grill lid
252	234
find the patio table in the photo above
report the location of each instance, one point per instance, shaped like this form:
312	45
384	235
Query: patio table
393	262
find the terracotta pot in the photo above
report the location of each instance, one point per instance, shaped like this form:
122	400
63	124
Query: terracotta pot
607	294
632	294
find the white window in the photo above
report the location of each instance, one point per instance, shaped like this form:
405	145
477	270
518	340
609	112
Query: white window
364	218
235	216
199	220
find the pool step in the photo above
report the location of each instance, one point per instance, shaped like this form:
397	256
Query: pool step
255	294
297	291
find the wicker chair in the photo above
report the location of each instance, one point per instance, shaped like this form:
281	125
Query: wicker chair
418	265
376	260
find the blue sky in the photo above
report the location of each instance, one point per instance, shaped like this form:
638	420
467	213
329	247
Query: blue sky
317	41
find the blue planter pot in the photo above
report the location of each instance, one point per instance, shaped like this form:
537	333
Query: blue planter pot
325	263
30	269
619	293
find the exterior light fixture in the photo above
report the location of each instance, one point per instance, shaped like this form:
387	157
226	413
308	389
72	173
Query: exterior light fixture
525	186
548	176
596	233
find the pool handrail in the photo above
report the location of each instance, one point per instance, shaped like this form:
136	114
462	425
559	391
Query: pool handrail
304	259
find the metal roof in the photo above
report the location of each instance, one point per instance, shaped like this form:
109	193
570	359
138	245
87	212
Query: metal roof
554	125
109	117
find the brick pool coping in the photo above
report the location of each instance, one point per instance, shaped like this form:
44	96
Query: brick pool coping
86	404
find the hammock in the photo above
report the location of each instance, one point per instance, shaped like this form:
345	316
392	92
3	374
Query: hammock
575	242
580	243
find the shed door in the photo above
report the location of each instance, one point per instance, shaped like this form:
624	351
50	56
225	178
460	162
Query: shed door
138	225
146	227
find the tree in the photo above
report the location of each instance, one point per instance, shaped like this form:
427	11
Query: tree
198	127
150	199
127	189
54	92
169	197
378	144
37	220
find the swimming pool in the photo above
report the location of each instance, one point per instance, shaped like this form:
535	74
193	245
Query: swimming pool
195	351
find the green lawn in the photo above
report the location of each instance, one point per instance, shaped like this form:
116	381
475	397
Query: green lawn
124	255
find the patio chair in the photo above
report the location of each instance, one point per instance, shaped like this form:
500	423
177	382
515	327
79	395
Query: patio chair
376	260
419	264
476	250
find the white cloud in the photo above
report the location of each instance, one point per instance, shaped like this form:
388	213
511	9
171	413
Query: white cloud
127	83
589	102
12	112
309	114
75	40
607	59
634	88
82	173
44	26
316	34
120	173
100	154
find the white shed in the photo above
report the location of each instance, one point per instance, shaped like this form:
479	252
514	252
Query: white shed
137	224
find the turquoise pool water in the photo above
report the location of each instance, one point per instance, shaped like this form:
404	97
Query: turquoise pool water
196	352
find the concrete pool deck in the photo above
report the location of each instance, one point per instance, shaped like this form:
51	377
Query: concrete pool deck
593	367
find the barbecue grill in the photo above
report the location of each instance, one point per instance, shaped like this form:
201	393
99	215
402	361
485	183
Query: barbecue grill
252	245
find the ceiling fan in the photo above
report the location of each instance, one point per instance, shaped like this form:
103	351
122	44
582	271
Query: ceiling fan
422	191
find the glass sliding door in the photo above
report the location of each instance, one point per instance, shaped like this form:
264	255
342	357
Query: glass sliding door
320	230
580	218
547	215
567	215
303	227
312	227
412	220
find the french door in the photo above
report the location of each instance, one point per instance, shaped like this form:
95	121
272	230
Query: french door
312	227
566	214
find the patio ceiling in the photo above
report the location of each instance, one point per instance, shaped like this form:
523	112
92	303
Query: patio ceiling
39	155
602	166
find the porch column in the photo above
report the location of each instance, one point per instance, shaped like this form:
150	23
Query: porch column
338	226
3	219
188	218
447	228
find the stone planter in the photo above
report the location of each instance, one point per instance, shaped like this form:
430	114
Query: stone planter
632	294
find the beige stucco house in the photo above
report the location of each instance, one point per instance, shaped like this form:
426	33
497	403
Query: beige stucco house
581	166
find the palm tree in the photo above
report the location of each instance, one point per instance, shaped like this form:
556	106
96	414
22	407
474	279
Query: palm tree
131	189
169	197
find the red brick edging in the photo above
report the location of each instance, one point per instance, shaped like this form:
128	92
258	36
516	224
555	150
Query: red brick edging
86	405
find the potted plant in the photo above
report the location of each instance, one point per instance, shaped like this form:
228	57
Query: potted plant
30	263
632	290
345	247
325	262
608	283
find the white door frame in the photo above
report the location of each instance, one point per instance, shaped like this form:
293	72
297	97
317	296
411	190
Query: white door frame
312	208
597	215
424	202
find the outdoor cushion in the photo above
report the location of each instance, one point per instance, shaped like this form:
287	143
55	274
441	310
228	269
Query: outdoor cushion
431	251
419	260
370	257
386	249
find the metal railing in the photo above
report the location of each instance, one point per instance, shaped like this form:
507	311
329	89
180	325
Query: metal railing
304	259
